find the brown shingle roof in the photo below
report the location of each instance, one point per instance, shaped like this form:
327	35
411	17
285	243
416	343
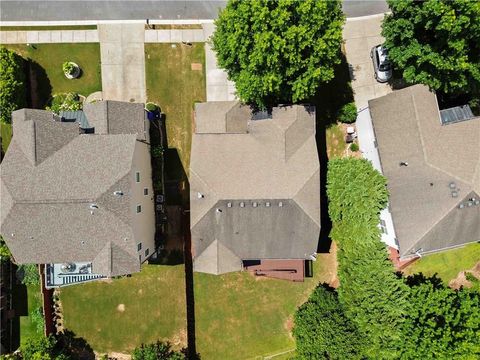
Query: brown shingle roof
50	177
274	161
408	129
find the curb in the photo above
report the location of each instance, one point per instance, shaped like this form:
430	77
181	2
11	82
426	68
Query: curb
367	17
99	22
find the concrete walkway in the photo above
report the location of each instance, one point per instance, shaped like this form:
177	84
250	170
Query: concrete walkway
123	58
48	36
123	62
219	88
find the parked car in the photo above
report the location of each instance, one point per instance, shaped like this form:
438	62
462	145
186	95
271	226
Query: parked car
382	67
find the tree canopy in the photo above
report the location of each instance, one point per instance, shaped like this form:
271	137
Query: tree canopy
12	87
322	329
391	317
278	50
436	43
156	351
442	324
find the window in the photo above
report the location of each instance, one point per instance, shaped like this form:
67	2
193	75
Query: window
139	246
137	176
139	209
145	191
147	251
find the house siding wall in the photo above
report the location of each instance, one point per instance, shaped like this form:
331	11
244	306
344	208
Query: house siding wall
143	222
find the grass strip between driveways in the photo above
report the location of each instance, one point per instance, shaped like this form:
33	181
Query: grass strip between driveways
175	85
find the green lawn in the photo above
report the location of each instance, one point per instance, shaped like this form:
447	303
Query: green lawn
238	316
173	85
153	308
336	144
447	264
47	60
28	328
6	132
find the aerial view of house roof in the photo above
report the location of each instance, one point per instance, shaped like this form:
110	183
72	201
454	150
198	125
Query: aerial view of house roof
254	185
67	196
433	171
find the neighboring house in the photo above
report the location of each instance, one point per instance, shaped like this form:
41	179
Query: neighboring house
432	164
254	190
76	191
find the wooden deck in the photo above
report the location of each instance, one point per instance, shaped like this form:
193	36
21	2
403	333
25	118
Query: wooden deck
286	269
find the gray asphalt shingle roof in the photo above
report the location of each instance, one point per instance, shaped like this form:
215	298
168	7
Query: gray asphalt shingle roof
240	174
425	214
50	177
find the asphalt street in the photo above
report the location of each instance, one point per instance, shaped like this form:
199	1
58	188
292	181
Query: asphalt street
75	10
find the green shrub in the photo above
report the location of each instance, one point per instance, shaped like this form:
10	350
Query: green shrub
38	320
68	68
157	151
152	107
12	84
4	251
30	274
348	113
156	351
354	147
65	102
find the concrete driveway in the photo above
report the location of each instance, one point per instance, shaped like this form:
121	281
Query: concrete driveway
123	61
360	36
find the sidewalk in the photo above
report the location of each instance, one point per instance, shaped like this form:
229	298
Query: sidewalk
219	88
48	36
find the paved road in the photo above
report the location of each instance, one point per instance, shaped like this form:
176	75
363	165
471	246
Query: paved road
72	10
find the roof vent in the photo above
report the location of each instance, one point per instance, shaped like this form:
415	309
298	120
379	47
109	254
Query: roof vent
280	204
242	204
452	185
267	204
477	202
461	206
218	210
200	195
454	193
229	204
254	204
403	163
93	206
118	193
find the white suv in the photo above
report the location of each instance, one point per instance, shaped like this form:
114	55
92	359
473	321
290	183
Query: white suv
381	65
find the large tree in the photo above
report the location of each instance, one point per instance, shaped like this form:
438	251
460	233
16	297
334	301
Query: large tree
278	50
322	331
374	298
12	87
442	324
436	43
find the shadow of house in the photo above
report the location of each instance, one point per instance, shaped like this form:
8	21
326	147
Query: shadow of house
39	89
329	100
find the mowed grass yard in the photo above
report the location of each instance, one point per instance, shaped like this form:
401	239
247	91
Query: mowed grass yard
28	328
238	316
119	315
447	264
175	79
49	73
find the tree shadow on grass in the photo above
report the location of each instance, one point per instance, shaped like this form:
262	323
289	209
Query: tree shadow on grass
328	101
77	348
39	89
